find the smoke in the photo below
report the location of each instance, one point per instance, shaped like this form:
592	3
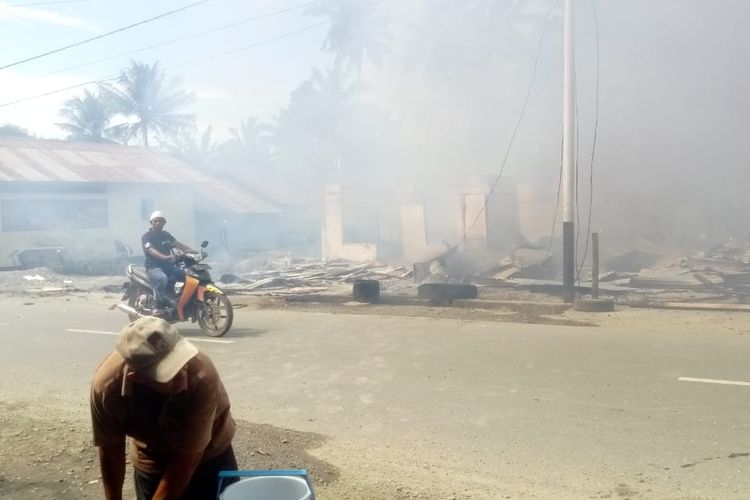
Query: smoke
420	103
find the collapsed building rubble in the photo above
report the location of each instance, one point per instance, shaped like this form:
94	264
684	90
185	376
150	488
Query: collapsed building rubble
721	274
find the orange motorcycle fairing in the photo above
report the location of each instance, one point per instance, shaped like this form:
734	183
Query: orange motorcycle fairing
191	284
201	294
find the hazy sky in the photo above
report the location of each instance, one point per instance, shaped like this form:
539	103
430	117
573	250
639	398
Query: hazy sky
252	82
673	100
673	76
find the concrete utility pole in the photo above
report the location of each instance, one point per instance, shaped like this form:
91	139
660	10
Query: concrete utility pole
568	166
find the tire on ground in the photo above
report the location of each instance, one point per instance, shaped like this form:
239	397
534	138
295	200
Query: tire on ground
366	291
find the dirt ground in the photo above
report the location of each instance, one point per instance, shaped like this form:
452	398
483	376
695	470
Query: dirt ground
61	464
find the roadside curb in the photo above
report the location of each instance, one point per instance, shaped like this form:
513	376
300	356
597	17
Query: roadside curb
406	300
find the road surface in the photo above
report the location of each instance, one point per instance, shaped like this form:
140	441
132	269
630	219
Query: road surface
448	408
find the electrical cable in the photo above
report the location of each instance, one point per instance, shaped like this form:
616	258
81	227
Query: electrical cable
181	39
518	123
594	138
214	56
577	172
557	204
57	91
246	47
103	35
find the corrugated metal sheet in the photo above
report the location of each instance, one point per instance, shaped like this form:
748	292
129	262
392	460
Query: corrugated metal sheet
34	160
218	197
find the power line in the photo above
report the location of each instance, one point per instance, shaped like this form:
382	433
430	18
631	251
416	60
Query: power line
557	204
182	39
593	141
246	47
518	123
57	91
576	166
118	30
194	61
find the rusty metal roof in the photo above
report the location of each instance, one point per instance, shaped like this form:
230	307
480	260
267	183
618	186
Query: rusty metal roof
38	160
232	198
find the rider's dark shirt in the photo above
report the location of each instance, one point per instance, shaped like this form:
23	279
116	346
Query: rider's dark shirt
161	241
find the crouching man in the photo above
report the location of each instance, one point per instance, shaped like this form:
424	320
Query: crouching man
166	395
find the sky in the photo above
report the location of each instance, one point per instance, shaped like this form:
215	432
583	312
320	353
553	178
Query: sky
228	88
672	92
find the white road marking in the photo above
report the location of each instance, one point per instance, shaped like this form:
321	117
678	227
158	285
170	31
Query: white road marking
713	381
191	339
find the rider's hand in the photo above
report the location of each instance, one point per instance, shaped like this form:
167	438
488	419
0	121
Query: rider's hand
171	258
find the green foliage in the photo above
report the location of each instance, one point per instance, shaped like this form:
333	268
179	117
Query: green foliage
326	134
152	104
10	130
87	118
358	32
249	147
195	149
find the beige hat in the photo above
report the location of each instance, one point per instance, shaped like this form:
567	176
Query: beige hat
155	348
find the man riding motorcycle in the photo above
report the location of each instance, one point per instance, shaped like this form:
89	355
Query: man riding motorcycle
157	247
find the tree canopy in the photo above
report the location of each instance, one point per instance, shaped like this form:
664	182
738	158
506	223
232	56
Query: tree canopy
150	103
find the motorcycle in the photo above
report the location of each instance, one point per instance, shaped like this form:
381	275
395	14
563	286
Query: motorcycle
198	299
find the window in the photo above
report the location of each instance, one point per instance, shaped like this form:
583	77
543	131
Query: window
44	215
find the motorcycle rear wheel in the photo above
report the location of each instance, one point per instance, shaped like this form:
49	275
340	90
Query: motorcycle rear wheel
215	315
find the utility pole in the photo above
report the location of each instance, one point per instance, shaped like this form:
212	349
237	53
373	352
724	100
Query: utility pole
568	160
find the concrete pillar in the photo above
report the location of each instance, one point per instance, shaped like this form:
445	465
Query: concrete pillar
474	216
332	240
332	237
413	232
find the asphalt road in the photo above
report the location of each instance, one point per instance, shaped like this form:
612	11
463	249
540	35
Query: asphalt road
487	410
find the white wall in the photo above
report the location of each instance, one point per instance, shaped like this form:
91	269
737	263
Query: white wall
125	221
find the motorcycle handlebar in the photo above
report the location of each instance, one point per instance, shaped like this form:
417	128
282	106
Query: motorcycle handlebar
186	257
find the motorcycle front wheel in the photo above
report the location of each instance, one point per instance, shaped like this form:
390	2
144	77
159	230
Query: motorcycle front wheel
215	315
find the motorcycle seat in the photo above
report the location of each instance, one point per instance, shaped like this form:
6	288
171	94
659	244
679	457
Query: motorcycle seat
139	271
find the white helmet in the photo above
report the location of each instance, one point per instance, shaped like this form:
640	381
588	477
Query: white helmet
157	214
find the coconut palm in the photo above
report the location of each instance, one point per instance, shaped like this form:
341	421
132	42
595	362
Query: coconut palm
200	152
10	130
358	32
249	145
87	118
141	93
313	132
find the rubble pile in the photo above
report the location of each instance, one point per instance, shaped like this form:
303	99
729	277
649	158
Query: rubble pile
292	277
720	273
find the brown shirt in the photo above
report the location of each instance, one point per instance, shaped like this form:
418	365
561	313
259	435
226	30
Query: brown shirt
161	426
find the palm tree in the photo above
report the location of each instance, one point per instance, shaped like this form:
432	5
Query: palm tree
88	118
200	152
358	32
10	130
142	93
249	145
313	132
